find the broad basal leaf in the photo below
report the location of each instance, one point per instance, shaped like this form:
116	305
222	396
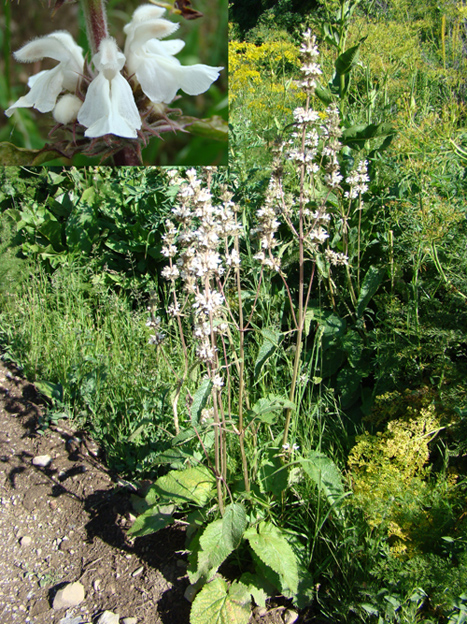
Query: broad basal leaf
152	520
216	603
192	485
218	541
271	546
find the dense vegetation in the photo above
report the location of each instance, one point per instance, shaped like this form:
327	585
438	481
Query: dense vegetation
302	411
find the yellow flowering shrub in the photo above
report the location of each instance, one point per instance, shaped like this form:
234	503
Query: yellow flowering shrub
390	476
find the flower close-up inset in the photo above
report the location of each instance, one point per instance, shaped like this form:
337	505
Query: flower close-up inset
112	96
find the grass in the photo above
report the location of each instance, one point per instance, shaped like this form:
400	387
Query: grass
65	331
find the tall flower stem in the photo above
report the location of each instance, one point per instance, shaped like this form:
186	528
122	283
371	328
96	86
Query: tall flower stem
241	429
96	22
301	287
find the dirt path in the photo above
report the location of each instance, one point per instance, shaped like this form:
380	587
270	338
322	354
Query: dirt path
67	522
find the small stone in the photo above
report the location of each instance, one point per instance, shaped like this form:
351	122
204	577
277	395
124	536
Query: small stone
129	620
190	592
138	571
25	541
96	584
42	461
108	617
289	616
69	596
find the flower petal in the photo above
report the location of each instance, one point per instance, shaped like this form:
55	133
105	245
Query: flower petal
161	77
45	89
110	108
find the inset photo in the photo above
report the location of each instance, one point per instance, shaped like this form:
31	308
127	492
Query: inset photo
88	82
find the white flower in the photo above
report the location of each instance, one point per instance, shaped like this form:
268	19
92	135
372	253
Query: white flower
152	61
109	107
47	85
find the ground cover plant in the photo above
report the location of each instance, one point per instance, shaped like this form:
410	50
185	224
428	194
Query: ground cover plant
281	346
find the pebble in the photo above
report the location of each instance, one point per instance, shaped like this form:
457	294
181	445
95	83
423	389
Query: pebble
25	541
129	620
69	596
138	571
108	617
42	460
289	616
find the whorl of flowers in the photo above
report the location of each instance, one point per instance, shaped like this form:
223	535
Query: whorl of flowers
357	181
198	254
310	68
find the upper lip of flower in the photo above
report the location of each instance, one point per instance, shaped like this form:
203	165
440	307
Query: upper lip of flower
152	61
46	86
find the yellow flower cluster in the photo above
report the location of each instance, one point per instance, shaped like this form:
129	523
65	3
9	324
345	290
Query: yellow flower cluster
250	65
390	477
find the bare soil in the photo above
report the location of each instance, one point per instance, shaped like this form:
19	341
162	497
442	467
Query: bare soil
67	522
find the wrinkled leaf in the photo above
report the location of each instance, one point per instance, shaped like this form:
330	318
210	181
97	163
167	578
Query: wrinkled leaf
200	399
152	520
216	603
271	546
218	541
21	156
192	485
270	344
325	475
213	128
370	285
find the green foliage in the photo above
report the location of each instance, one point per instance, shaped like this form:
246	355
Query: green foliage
220	604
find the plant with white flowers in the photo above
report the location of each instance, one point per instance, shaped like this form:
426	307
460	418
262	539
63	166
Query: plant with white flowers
218	258
117	102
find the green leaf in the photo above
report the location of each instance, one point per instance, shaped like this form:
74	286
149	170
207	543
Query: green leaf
272	473
348	59
258	587
270	344
218	541
267	408
192	485
370	285
216	603
152	520
271	546
356	136
200	399
325	475
21	156
50	390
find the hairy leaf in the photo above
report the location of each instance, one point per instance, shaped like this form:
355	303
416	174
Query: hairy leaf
370	285
200	399
271	546
192	485
216	603
218	541
152	520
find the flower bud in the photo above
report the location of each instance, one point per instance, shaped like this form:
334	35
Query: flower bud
67	108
